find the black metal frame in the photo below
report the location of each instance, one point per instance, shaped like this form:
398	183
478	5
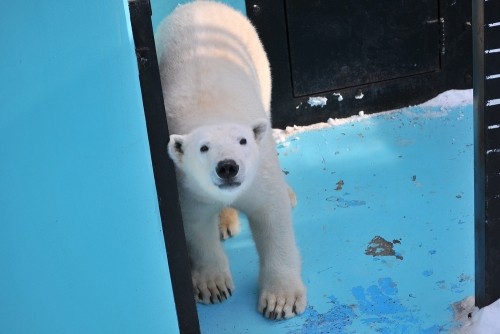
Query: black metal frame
270	19
163	168
486	36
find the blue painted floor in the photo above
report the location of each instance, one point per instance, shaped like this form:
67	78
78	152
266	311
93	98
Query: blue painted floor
384	223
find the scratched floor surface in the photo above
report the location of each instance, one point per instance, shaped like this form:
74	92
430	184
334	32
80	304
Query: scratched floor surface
384	224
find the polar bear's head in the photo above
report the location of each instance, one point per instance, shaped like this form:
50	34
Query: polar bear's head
219	161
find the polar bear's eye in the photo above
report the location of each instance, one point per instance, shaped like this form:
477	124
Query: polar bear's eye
243	141
204	148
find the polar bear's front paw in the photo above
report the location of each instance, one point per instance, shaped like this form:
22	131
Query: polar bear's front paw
282	304
212	287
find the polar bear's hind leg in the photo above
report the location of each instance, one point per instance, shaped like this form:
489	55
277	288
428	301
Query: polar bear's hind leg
229	224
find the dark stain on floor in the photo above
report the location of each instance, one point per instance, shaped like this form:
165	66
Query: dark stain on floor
378	246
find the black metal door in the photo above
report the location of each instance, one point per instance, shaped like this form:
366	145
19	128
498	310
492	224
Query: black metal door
340	44
379	55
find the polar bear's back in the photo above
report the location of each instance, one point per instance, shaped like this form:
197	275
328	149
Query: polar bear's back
213	67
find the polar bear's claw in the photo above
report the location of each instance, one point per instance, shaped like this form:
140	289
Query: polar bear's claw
281	306
212	289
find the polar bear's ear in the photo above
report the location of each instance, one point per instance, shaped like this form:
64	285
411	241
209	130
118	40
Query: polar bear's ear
175	149
259	129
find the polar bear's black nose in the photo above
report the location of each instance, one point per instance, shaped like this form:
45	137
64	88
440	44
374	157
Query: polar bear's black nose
227	169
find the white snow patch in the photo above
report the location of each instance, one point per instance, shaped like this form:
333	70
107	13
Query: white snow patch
284	137
495	150
318	101
281	136
359	96
492	102
451	98
491	127
463	311
339	96
477	321
492	51
442	112
493	76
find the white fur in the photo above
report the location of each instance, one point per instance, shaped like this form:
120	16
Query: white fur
217	88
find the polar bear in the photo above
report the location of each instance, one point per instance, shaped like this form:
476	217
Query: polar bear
216	86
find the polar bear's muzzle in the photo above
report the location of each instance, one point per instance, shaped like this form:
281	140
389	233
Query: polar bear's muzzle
227	171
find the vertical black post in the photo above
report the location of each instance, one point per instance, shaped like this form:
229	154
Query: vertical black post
163	168
486	43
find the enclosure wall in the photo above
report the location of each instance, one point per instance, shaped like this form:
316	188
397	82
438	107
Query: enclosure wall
81	246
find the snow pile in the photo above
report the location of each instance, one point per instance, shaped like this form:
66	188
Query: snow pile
477	321
359	95
339	97
487	319
281	135
463	311
451	98
318	101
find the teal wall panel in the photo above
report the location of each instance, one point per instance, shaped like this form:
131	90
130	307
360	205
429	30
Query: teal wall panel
81	246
